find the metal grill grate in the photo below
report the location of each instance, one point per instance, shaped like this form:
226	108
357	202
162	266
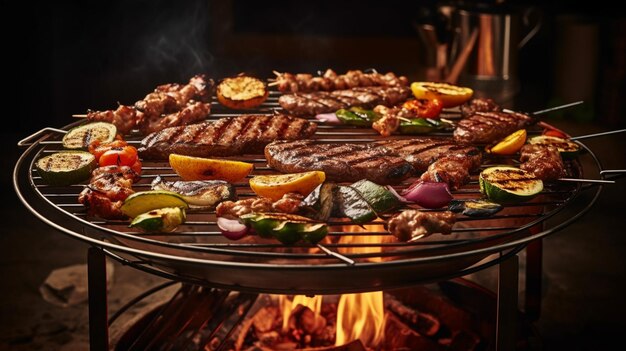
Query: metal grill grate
367	259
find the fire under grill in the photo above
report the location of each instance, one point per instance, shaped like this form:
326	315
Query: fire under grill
353	258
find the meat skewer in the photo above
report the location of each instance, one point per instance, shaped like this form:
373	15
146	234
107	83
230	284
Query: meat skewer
330	80
108	188
414	224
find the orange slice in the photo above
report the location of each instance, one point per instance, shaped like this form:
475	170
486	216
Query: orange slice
511	144
275	186
198	168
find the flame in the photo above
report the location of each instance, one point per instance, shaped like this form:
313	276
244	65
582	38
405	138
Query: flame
361	316
313	303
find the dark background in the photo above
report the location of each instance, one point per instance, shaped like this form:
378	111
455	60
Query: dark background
65	58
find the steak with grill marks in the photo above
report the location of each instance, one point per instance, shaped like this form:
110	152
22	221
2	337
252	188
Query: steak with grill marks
340	162
225	137
488	127
422	152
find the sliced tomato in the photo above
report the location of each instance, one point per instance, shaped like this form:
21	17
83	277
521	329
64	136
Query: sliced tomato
120	156
424	108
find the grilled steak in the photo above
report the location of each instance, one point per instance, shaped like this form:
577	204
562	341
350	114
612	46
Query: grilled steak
422	152
340	162
488	127
324	102
224	137
479	105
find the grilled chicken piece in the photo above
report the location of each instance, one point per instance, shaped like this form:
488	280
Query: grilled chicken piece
453	170
479	105
170	98
107	190
414	224
289	203
205	193
311	104
226	136
422	152
303	83
340	162
543	161
488	127
193	112
124	172
124	118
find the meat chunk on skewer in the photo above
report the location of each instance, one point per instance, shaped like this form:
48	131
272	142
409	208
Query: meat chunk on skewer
479	105
414	224
191	113
287	82
453	170
289	203
488	127
108	188
543	161
124	118
170	98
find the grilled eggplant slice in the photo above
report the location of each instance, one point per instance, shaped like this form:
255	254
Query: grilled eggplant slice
319	203
475	208
202	193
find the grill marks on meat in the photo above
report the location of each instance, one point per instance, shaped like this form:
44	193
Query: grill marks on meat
192	112
287	82
414	224
340	162
124	118
108	188
310	104
226	136
289	203
542	161
488	127
479	105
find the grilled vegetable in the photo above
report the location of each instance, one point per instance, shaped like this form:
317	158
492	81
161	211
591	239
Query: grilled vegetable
160	220
320	201
449	95
357	116
475	208
424	108
349	203
428	194
199	168
422	126
232	228
80	137
504	184
378	197
511	144
568	149
145	201
66	167
205	193
286	228
275	186
241	92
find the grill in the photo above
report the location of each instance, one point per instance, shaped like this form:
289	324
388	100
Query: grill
197	253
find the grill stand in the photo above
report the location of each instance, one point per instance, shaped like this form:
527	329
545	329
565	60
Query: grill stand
506	296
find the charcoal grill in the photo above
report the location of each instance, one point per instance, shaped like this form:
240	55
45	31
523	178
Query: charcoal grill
197	253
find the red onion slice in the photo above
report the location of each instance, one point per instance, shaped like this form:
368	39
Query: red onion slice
428	194
328	118
232	228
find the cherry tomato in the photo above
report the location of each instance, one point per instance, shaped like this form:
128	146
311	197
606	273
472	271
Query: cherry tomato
424	108
554	133
121	156
136	166
98	149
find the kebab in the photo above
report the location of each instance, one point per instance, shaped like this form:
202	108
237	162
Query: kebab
330	80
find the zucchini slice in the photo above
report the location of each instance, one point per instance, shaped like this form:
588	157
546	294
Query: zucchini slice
146	201
80	137
505	184
66	167
160	220
568	149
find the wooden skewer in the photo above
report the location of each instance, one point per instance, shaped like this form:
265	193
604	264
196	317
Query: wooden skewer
597	134
277	73
271	84
577	180
79	115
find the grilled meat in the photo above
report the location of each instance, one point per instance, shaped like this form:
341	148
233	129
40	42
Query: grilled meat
289	203
108	188
302	83
414	224
543	161
488	127
193	112
205	193
226	136
124	172
453	170
422	152
479	105
340	162
125	117
391	118
170	98
311	104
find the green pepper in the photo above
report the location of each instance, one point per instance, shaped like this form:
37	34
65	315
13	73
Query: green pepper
422	126
357	116
286	228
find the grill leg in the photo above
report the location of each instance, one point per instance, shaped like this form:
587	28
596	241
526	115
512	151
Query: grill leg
534	272
506	322
97	284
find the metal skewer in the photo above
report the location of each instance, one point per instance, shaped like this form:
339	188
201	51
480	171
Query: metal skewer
555	108
577	180
335	254
597	134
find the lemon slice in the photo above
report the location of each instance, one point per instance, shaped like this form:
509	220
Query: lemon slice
449	95
198	168
275	186
511	144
